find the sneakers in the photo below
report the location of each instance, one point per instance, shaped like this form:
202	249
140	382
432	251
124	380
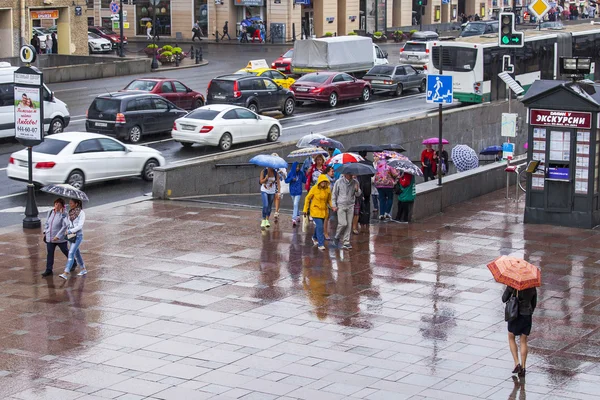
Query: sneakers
65	275
381	217
262	224
267	224
46	273
387	216
315	242
82	272
347	246
321	247
294	222
276	216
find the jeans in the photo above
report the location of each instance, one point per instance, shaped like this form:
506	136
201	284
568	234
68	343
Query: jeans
344	227
74	253
386	200
267	201
319	233
48	49
404	211
375	198
50	248
296	200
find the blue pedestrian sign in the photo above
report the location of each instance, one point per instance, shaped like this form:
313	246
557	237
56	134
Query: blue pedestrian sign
114	7
439	89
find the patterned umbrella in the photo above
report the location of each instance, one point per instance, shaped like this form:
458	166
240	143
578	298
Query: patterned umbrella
515	272
391	155
269	161
435	140
305	140
327	142
65	190
308	151
405	166
464	157
345	158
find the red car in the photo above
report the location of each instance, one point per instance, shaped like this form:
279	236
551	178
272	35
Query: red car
106	33
171	89
330	87
284	62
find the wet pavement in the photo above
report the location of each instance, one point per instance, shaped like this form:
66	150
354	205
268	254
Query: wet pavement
187	300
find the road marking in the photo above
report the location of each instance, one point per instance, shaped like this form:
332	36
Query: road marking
13	195
156	141
309	124
69	90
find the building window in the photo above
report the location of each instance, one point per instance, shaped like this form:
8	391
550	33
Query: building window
90	21
201	15
105	3
106	22
89	4
145	13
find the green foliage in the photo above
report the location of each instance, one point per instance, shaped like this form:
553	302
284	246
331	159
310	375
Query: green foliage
328	34
413	31
177	50
167	48
152	46
352	34
398	33
378	34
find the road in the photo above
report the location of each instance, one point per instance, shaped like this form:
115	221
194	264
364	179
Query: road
309	118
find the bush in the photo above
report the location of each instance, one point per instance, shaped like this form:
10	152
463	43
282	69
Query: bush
378	34
167	48
413	31
152	46
177	50
398	33
352	34
328	34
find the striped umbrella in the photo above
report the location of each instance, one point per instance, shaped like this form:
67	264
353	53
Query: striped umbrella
344	158
515	272
308	151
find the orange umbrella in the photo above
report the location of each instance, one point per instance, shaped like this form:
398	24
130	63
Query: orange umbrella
515	272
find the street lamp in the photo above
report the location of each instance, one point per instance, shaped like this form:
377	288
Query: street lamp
154	47
121	28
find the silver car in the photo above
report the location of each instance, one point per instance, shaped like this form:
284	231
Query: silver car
395	79
415	53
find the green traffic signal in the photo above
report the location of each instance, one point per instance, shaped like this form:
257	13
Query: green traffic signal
505	39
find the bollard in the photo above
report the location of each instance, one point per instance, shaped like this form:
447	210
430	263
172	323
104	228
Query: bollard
177	60
192	52
200	53
217	36
197	56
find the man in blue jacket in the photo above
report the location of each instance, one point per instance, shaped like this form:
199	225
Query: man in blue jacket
296	179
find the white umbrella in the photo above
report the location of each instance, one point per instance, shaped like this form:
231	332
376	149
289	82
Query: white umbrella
305	140
464	157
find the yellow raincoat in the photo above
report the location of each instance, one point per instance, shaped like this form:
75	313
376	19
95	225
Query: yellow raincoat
318	199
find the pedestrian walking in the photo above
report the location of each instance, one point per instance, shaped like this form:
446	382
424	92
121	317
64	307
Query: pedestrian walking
74	226
428	163
149	30
35	42
316	203
385	178
406	197
444	159
54	44
520	326
269	186
54	234
48	44
296	180
197	31
366	183
226	31
244	32
315	170
281	175
343	199
330	173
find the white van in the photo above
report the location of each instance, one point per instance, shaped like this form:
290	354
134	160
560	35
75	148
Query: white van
56	113
379	56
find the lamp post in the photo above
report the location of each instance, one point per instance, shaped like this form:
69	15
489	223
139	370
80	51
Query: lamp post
121	36
154	47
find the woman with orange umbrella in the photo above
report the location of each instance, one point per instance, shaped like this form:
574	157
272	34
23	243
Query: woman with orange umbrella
520	296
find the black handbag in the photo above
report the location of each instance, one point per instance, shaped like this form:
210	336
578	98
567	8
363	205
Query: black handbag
511	310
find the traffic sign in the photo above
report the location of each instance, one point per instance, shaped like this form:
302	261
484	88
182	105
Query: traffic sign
114	7
539	8
439	89
27	54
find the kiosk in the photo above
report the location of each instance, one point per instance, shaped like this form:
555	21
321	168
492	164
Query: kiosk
563	153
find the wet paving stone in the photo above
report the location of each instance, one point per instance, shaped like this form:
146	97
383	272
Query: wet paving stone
213	308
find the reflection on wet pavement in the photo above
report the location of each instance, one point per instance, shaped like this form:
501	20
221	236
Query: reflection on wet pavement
191	301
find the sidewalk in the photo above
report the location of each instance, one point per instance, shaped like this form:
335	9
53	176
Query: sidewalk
186	300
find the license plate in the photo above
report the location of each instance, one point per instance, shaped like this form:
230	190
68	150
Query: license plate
413	58
377	81
218	97
22	164
188	127
281	68
300	89
102	124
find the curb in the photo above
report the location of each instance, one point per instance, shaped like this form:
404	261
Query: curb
161	69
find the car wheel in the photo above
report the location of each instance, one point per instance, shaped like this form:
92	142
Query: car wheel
423	86
333	99
76	179
135	134
90	50
399	90
225	142
197	103
289	106
273	134
187	145
366	94
56	126
148	171
253	107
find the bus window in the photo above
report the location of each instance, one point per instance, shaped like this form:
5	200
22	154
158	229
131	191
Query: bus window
457	59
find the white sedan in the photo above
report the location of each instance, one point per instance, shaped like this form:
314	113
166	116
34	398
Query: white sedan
98	44
79	158
223	125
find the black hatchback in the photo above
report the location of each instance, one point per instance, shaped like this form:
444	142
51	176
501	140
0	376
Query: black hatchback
253	92
129	116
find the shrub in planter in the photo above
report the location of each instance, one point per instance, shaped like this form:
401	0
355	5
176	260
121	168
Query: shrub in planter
412	32
379	36
328	34
178	51
352	34
168	48
149	50
398	36
166	57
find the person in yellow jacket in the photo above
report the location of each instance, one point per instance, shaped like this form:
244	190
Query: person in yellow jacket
318	199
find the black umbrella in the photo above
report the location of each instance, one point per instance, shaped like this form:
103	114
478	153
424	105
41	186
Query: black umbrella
393	147
366	147
356	169
65	190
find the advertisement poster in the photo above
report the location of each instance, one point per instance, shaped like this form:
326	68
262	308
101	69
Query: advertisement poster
28	119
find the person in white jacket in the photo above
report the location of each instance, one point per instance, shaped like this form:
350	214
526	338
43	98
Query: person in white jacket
74	223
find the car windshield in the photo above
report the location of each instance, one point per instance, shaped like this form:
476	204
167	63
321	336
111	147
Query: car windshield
206	115
317	78
288	54
109	106
146	86
419	47
220	86
107	31
474	29
50	146
381	70
93	36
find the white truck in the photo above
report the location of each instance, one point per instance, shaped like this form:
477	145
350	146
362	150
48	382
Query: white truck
352	54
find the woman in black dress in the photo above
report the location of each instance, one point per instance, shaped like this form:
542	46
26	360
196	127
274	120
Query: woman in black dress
521	326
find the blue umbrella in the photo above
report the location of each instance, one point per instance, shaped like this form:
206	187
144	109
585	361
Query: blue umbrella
491	150
269	161
327	142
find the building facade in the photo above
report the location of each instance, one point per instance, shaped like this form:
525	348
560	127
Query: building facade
19	17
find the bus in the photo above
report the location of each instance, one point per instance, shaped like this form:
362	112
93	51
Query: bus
475	62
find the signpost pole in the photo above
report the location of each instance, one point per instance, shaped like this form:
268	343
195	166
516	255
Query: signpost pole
31	220
121	36
154	60
439	168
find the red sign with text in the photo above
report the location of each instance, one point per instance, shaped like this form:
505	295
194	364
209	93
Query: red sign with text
568	119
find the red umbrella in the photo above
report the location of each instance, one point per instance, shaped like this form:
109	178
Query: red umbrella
344	158
515	272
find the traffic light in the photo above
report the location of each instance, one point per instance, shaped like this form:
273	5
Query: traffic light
507	35
422	2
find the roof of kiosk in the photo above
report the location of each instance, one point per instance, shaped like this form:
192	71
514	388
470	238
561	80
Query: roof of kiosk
564	95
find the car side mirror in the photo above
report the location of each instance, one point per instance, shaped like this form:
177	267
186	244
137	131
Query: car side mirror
385	54
188	90
279	87
127	149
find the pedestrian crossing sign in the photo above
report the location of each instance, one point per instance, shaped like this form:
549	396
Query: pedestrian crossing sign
439	89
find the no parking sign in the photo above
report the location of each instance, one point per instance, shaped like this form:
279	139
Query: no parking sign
114	7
